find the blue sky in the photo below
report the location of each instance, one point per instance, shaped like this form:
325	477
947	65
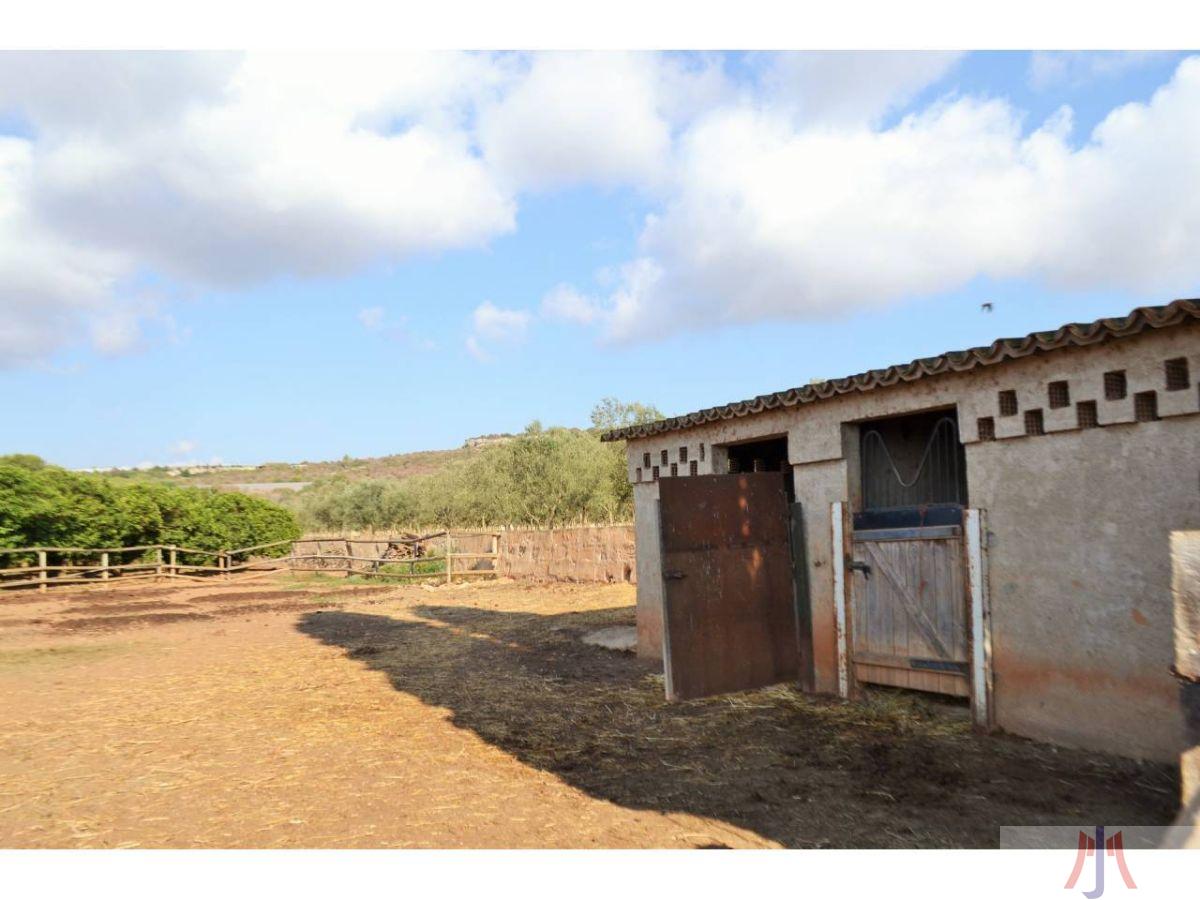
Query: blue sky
719	226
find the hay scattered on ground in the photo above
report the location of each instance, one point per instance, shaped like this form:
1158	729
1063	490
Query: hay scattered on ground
475	716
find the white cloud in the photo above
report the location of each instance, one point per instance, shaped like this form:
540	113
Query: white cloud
182	447
49	289
496	324
849	87
597	117
371	317
565	304
777	194
222	170
476	351
774	222
1052	68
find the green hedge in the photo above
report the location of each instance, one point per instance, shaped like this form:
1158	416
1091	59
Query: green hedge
45	506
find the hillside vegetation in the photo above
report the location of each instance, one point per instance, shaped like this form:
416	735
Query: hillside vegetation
544	476
398	465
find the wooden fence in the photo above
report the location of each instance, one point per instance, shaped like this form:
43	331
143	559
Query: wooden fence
167	561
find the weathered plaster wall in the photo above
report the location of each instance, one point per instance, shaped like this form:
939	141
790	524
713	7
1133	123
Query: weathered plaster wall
1080	571
649	571
603	553
1078	519
1185	592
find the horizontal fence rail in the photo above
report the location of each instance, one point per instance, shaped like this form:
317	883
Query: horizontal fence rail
167	561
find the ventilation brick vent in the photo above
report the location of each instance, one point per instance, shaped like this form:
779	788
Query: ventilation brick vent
1145	406
1034	422
1115	386
1176	371
1085	414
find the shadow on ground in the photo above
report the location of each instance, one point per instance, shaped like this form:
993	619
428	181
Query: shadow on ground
895	771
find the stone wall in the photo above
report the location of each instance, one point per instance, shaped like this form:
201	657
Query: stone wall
603	553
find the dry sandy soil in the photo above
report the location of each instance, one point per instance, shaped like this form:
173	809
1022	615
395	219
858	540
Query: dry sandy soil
317	714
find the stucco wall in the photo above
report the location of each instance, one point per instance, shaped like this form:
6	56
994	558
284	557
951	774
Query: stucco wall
1078	519
1185	590
603	553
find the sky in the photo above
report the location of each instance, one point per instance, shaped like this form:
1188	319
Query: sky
284	257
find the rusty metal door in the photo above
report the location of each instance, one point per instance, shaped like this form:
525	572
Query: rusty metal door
729	621
909	609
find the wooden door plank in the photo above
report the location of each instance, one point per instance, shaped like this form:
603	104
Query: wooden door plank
917	615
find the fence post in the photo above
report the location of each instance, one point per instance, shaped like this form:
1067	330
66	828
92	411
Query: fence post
449	561
158	562
104	566
41	571
349	561
226	562
174	562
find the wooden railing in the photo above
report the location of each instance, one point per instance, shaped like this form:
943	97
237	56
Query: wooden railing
167	561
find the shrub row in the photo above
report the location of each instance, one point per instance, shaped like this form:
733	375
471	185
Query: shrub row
43	505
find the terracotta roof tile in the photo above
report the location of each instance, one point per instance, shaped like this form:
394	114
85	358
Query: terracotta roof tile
1003	350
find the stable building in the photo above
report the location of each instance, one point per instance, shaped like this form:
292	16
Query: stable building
992	524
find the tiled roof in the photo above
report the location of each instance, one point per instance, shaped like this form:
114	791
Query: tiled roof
1141	319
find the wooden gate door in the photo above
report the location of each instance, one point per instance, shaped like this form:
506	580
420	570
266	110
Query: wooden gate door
909	609
729	620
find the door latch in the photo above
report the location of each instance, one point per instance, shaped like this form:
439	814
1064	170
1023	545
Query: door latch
856	565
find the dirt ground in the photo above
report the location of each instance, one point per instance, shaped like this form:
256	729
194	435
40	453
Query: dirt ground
317	714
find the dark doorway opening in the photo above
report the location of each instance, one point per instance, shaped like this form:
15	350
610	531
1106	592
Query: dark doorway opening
913	471
770	455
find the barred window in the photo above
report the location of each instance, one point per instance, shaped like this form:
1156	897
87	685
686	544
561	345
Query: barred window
683	454
1008	403
693	468
1176	371
1145	406
987	428
1059	394
654	473
674	469
1034	422
1115	385
1085	414
639	474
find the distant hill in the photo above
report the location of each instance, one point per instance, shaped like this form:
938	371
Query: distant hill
275	475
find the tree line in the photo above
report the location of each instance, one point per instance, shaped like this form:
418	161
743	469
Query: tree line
543	477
